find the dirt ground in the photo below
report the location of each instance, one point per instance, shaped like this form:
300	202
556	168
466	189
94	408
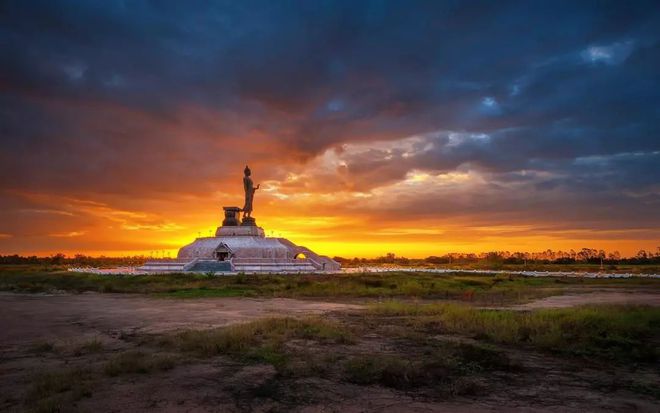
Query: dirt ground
30	317
631	296
546	384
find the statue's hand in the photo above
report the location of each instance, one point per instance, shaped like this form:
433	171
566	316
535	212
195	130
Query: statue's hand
257	186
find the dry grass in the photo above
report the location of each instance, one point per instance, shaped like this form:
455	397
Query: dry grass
262	340
57	391
613	332
88	347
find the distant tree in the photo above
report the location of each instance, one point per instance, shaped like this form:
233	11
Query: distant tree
58	259
437	260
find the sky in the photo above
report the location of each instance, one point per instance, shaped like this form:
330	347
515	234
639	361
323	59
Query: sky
411	127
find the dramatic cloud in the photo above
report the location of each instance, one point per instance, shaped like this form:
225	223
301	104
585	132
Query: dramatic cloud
405	126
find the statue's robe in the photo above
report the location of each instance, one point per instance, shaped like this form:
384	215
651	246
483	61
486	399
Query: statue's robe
249	194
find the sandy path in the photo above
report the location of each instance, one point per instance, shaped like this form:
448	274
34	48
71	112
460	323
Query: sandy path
27	318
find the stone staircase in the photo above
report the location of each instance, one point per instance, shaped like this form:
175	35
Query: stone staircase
206	266
273	266
164	266
320	262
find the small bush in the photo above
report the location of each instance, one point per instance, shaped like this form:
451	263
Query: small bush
92	346
366	370
137	362
41	347
441	365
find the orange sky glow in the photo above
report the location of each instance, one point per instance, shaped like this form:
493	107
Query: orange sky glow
328	223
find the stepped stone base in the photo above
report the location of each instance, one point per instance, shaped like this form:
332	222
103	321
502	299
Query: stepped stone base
243	248
164	266
273	266
211	266
239	231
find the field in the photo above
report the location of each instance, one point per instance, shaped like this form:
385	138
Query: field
495	289
361	342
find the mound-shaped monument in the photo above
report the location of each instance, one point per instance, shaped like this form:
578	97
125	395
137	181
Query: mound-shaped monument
239	245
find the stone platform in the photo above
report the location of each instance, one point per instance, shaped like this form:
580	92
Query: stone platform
243	248
239	245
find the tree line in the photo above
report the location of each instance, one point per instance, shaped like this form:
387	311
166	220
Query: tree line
75	260
582	256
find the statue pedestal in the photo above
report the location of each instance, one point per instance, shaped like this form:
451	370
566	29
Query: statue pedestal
231	216
233	227
240	231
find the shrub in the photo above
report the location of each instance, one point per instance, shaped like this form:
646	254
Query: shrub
91	346
132	362
42	347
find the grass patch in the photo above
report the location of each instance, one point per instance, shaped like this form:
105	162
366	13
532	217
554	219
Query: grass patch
207	292
88	347
481	288
444	365
58	391
42	347
610	332
261	340
137	362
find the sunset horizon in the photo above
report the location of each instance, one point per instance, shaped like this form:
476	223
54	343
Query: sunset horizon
331	235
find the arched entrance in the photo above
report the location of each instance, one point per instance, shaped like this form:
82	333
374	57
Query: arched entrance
222	253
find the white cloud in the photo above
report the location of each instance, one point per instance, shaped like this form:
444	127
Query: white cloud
74	71
68	234
459	138
613	54
489	106
489	101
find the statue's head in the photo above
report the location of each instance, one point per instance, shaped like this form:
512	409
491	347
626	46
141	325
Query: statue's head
247	171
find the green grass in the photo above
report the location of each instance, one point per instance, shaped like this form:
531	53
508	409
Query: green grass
444	365
261	340
486	289
204	292
610	332
316	347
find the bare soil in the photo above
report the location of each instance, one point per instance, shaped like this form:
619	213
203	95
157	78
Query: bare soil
30	317
123	322
628	296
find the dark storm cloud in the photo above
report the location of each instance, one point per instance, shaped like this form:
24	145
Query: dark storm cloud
116	96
